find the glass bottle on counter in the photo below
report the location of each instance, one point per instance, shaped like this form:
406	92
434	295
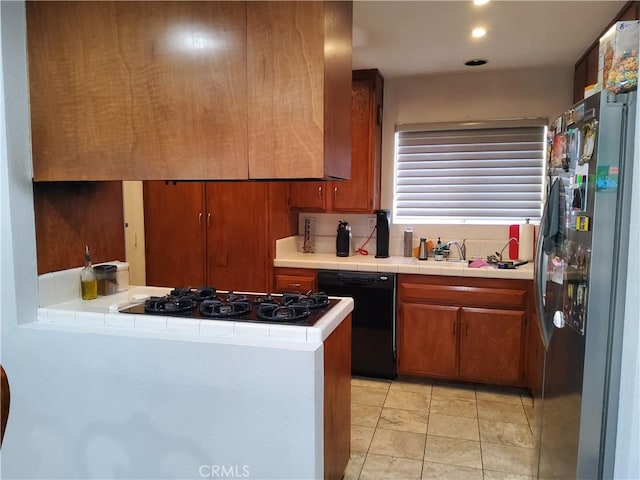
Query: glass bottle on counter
88	280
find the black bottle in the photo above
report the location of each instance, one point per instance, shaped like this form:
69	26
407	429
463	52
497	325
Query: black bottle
382	233
343	239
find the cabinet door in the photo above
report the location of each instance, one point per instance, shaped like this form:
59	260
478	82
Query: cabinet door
427	340
592	66
579	81
298	89
285	54
362	192
630	13
491	345
174	233
310	196
138	90
237	229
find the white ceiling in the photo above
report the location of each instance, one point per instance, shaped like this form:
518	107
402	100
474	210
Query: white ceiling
406	38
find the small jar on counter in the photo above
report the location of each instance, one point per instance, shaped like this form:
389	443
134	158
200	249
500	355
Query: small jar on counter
107	279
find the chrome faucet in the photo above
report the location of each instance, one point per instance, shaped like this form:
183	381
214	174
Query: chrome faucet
512	239
462	249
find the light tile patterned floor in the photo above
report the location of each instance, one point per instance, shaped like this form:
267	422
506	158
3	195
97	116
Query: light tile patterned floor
407	429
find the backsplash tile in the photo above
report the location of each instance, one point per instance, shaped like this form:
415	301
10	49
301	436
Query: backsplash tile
47	290
68	285
64	285
481	240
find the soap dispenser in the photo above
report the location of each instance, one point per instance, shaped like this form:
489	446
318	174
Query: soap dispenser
438	254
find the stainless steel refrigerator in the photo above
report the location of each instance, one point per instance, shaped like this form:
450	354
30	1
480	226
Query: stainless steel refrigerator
580	286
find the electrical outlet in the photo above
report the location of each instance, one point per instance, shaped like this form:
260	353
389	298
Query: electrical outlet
372	223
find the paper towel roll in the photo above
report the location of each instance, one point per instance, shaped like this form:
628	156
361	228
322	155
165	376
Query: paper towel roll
526	241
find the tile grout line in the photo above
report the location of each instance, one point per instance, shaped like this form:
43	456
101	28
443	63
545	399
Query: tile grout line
479	436
426	433
366	455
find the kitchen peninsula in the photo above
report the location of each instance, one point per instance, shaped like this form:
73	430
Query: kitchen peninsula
166	396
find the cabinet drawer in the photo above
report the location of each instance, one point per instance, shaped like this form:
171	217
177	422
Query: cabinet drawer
295	283
461	295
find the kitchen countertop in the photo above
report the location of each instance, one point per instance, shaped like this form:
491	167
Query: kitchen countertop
396	264
102	316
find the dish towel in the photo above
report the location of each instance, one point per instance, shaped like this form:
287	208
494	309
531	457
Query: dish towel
551	225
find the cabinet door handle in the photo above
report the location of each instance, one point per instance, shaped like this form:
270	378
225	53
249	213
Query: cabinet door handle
335	192
295	285
200	219
208	219
319	191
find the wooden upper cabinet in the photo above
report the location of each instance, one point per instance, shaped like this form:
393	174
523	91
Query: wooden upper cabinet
299	74
309	196
630	12
190	90
138	90
579	81
361	193
591	76
586	68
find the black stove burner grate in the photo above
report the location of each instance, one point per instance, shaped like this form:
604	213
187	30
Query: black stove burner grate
201	293
207	303
312	301
171	304
283	313
224	309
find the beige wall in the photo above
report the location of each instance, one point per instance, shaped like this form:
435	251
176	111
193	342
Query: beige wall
542	92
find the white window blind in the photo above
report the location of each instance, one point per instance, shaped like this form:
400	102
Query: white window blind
486	174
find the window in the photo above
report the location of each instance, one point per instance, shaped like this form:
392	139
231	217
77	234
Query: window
481	172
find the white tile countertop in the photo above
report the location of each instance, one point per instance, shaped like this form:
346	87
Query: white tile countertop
102	316
288	256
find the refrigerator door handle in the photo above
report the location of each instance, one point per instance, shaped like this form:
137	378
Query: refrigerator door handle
539	272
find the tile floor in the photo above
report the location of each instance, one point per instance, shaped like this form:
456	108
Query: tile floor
406	429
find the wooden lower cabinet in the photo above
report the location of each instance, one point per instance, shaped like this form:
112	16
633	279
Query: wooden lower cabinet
337	400
468	329
491	345
418	326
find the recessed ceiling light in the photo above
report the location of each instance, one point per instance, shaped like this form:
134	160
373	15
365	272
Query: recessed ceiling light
480	2
475	62
478	32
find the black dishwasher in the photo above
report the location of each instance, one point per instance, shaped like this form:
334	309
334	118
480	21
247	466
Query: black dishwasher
373	352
